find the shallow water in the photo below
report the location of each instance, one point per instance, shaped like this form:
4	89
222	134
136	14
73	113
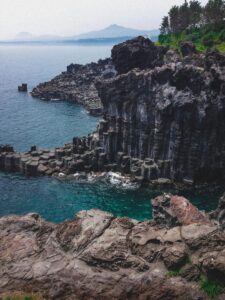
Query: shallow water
59	200
25	121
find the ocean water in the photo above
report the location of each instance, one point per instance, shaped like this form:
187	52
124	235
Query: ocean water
25	121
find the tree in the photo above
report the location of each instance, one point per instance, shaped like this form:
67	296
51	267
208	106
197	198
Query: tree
184	16
195	13
174	19
165	27
214	12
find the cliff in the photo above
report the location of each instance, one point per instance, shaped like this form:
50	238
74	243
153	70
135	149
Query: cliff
165	118
98	256
173	116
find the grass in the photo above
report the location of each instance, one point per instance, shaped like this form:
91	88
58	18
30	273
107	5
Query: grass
178	271
211	288
221	47
22	296
173	273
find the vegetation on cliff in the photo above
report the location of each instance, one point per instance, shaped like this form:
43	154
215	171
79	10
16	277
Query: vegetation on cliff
203	25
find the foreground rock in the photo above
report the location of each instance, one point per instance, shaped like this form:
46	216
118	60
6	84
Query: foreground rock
77	85
98	256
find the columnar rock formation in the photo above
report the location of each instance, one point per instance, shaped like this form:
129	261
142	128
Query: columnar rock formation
98	256
77	85
168	121
165	119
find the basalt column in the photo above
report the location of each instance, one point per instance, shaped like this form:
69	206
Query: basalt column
169	121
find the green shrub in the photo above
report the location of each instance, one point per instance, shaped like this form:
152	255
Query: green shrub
211	288
203	38
173	273
165	39
221	36
208	39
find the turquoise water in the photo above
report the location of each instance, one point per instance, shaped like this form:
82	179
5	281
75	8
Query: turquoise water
56	200
25	121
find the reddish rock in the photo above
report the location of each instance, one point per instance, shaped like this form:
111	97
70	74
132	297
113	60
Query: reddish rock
98	256
174	210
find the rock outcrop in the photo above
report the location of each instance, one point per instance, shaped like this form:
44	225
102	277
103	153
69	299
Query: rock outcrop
137	53
98	256
160	120
187	48
77	85
174	210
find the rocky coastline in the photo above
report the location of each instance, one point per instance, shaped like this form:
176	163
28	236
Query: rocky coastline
98	256
76	84
164	118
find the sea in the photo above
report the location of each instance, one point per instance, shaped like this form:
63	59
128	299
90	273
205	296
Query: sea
25	121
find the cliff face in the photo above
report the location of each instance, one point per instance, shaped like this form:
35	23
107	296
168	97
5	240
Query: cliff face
165	120
98	256
169	120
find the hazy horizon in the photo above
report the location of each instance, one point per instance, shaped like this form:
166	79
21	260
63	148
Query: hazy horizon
73	17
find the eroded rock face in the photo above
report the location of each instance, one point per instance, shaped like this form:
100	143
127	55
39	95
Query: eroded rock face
98	256
169	121
172	211
77	85
137	53
166	121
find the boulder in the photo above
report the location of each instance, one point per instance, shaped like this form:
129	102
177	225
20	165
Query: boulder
139	52
174	210
187	48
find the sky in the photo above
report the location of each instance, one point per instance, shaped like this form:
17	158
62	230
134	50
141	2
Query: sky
71	17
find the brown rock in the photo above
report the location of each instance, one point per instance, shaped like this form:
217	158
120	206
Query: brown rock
94	256
174	210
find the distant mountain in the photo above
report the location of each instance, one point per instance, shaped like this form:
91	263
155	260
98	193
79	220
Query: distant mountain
115	31
111	32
